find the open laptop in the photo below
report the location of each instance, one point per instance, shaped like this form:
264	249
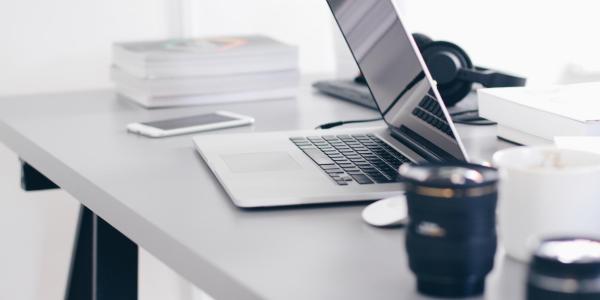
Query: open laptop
339	165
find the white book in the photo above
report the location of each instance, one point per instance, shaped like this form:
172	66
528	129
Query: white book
161	87
150	101
199	49
536	115
217	66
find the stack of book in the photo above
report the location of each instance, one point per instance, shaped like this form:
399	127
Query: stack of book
205	71
537	115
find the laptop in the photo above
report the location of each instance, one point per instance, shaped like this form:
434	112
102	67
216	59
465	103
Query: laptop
348	164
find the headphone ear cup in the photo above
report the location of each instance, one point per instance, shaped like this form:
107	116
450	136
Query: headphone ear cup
444	60
421	40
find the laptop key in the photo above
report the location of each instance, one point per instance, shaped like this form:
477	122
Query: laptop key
381	179
307	147
334	173
341	159
345	177
301	142
355	172
318	157
362	179
358	161
304	145
329	167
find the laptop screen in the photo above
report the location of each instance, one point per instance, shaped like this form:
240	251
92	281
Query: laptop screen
397	77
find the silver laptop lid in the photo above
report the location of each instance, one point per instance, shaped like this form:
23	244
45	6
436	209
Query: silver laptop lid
398	78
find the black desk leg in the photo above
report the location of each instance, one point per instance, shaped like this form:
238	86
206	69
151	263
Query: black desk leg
79	284
115	264
104	264
32	180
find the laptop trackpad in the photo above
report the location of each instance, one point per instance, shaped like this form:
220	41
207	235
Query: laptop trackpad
260	162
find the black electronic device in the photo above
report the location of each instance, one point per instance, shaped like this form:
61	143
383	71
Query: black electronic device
452	69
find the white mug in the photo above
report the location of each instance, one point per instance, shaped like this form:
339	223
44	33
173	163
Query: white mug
546	192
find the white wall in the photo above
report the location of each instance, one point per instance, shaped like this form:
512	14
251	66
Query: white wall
547	41
301	22
540	39
535	38
64	44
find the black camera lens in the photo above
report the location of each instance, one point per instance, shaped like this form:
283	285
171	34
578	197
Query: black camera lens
565	269
451	234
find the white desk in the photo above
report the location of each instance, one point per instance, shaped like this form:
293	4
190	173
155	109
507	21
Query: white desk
161	195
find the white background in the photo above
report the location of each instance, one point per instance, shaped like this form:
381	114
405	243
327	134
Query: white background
50	46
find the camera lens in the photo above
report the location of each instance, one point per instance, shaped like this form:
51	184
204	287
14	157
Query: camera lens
565	269
451	235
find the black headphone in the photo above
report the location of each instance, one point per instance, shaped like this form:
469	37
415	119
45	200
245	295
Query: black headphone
454	72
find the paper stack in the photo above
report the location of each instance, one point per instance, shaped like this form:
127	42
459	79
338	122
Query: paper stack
532	116
205	71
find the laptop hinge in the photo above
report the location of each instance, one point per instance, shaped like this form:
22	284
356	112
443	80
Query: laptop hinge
420	145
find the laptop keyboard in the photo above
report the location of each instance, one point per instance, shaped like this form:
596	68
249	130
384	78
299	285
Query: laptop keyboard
360	158
429	110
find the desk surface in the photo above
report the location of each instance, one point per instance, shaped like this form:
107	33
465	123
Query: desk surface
161	195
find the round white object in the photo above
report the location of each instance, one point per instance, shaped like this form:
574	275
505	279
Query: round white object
387	212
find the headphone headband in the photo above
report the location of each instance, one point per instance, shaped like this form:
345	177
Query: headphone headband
452	68
490	78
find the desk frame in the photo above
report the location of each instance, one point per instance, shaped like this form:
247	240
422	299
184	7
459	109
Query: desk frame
104	262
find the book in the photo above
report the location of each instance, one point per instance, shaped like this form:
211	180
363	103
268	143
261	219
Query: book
205	70
150	101
236	83
204	56
589	144
243	65
529	115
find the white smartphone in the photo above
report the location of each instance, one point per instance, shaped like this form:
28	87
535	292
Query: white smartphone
190	124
